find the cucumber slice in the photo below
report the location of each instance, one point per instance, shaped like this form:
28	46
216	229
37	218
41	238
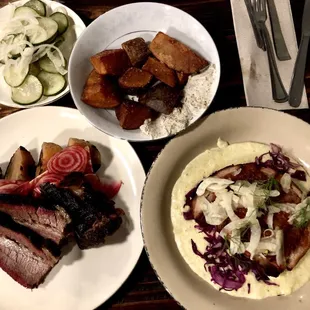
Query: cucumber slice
29	92
14	75
37	5
47	65
62	21
34	69
25	11
53	83
50	27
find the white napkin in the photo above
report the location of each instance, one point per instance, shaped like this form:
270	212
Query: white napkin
254	61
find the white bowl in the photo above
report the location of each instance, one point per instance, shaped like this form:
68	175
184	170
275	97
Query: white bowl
125	23
75	31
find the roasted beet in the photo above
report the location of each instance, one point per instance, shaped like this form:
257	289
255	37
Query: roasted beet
161	98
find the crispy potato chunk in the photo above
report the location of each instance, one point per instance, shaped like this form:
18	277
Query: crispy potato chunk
182	77
111	62
176	55
134	79
48	150
131	114
101	92
21	166
160	71
137	51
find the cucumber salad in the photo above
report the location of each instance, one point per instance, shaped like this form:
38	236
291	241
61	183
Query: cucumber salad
31	54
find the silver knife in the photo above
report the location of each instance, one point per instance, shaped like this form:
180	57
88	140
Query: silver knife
278	39
297	85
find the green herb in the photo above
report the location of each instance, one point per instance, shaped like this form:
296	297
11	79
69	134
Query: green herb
268	186
302	218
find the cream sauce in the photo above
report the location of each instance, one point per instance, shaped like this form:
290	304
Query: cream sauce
203	166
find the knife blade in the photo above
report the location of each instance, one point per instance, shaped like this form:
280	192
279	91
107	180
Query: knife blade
297	85
278	39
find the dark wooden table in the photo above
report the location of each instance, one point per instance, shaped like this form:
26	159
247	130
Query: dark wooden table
142	290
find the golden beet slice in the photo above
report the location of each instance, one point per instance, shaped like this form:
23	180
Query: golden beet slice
111	62
131	114
100	92
134	79
161	98
137	51
176	55
160	71
182	77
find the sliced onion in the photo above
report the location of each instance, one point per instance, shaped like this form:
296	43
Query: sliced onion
286	182
227	203
255	238
235	225
57	61
270	220
213	212
212	184
280	247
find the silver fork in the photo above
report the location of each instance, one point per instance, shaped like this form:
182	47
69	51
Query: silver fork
279	93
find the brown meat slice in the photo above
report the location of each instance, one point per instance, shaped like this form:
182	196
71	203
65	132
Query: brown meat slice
161	98
270	265
100	92
160	71
176	55
249	172
137	51
182	78
131	114
111	62
296	245
134	80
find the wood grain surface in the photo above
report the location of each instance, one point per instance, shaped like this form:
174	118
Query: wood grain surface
142	290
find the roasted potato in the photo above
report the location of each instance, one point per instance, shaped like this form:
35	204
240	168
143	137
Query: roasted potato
94	152
182	78
21	166
111	62
101	92
134	80
131	114
137	51
48	150
176	55
161	98
160	71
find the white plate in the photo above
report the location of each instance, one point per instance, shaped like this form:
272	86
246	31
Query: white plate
234	125
125	23
82	280
71	36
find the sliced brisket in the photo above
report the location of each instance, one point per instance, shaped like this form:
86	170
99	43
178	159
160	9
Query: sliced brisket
25	255
48	221
93	214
